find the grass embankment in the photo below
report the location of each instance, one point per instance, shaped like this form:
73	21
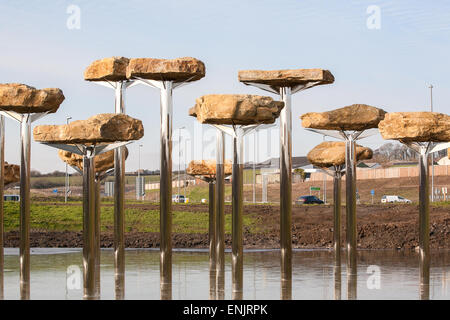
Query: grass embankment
61	217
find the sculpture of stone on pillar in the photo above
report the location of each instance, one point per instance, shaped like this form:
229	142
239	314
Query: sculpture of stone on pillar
206	171
285	83
90	138
104	166
236	115
165	75
350	124
424	133
111	73
25	105
330	158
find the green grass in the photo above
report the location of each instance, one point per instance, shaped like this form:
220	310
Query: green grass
46	217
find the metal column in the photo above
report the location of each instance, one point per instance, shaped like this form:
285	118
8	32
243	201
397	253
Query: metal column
237	211
212	226
2	183
119	201
25	150
350	182
286	185
89	253
337	216
220	214
166	191
424	222
97	235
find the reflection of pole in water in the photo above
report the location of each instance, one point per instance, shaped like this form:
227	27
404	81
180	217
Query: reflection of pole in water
352	278
337	279
424	277
286	289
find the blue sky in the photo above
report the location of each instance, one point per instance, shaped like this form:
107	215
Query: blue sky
388	67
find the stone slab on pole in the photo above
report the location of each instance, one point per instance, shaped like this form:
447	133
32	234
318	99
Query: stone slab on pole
25	105
285	83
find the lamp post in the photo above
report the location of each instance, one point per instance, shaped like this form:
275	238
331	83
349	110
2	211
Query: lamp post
139	171
185	158
66	184
179	159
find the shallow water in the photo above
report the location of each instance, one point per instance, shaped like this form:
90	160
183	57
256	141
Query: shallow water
57	274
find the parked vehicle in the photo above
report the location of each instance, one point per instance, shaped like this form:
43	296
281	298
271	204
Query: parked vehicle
178	198
393	199
308	200
11	197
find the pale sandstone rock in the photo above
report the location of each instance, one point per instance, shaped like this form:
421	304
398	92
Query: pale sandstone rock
111	69
237	109
355	117
179	70
21	98
103	161
416	127
106	127
12	173
329	154
206	168
286	78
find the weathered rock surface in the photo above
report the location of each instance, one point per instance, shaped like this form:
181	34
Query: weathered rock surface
103	161
286	78
21	98
106	127
206	168
355	117
12	173
416	126
328	154
180	69
238	109
111	69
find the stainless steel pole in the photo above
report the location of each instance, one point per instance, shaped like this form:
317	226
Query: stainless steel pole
25	150
119	202
212	226
424	214
166	191
89	261
286	185
220	215
337	216
212	240
237	209
254	167
350	181
97	183
2	183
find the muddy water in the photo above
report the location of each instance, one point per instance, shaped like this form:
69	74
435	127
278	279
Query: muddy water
382	274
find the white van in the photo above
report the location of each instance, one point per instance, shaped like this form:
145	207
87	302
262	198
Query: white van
393	199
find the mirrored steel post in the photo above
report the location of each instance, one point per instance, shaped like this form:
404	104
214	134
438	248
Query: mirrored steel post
25	150
2	183
220	214
237	211
166	190
212	226
337	214
97	183
286	185
119	201
350	182
89	250
424	218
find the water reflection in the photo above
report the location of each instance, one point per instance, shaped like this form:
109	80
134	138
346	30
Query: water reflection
316	275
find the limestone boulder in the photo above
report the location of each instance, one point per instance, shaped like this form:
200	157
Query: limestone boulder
355	117
21	98
328	154
287	78
101	128
237	109
178	70
416	127
12	173
103	161
111	69
206	168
